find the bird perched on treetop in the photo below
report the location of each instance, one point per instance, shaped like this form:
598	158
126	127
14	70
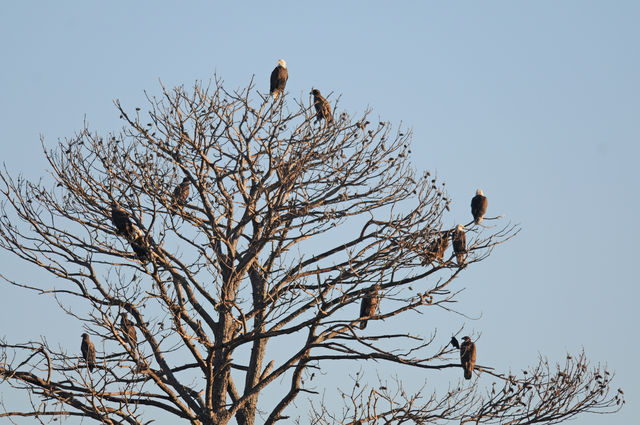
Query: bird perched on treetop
467	356
88	351
323	109
279	77
478	206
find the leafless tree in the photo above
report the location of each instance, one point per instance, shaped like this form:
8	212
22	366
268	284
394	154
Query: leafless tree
254	275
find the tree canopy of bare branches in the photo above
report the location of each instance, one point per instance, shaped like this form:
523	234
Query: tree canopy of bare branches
222	246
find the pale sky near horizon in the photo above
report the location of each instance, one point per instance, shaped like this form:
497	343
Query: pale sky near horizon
537	103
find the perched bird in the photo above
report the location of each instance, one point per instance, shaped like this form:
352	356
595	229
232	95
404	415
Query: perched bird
459	240
478	206
279	77
88	351
467	356
181	193
369	304
122	222
140	246
323	109
129	330
454	342
438	247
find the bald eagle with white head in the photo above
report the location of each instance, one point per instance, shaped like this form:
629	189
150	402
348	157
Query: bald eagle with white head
323	108
279	77
478	206
459	240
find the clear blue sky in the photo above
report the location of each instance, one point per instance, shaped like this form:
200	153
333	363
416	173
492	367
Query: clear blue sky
537	103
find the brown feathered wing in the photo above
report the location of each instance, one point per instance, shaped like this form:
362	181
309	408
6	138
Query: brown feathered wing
88	352
279	77
369	304
478	208
468	357
459	240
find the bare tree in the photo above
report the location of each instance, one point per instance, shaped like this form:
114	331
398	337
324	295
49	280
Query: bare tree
222	246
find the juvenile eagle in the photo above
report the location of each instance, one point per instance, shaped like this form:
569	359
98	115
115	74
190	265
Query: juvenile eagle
120	219
438	247
478	206
467	356
323	109
369	304
459	240
279	77
181	193
88	351
129	330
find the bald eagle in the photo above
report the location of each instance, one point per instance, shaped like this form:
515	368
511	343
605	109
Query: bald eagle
323	109
467	356
369	304
181	193
88	351
478	206
120	219
279	77
129	330
459	240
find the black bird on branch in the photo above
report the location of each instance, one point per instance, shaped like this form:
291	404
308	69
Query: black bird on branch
455	343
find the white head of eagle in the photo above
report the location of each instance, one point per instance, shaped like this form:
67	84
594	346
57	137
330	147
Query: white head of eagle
282	63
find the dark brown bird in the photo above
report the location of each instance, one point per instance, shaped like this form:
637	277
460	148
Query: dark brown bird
129	330
140	246
181	192
459	239
454	342
467	356
438	247
369	304
478	206
323	109
88	351
279	77
122	222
